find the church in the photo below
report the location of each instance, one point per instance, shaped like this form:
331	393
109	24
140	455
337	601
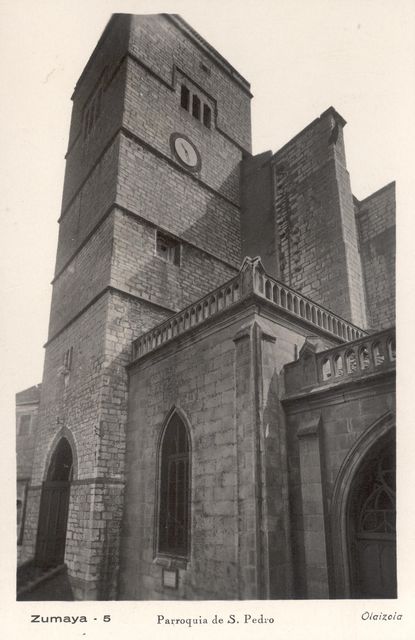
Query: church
216	418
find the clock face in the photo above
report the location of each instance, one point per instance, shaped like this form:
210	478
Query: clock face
185	151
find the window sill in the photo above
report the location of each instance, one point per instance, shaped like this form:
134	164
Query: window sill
171	562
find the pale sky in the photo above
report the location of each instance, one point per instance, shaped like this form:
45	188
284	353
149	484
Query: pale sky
301	56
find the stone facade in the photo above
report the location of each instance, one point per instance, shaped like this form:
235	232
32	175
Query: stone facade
149	259
375	217
328	421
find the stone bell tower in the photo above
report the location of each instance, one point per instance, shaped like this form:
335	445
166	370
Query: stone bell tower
149	223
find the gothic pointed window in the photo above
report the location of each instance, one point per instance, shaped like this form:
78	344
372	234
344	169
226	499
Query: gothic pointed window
174	520
377	512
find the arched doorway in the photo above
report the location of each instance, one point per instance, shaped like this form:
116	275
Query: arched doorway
371	524
54	504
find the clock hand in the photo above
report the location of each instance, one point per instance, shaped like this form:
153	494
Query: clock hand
186	152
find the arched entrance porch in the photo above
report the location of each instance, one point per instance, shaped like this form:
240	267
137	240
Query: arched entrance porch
363	516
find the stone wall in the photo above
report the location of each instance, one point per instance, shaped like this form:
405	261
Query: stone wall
105	69
199	381
85	277
152	112
88	207
159	43
138	269
225	378
318	251
122	184
259	229
325	423
177	202
375	218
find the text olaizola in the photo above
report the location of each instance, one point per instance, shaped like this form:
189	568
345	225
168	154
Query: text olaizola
68	619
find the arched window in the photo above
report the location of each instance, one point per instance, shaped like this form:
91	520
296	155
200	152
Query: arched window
174	520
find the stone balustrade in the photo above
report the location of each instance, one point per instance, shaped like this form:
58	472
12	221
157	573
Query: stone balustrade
251	279
301	307
371	354
193	315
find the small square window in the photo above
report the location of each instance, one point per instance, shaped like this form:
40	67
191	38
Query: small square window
168	249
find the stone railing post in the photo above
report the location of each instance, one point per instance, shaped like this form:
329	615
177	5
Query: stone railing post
250	270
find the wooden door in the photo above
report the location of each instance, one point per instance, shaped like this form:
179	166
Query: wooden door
54	506
53	518
372	527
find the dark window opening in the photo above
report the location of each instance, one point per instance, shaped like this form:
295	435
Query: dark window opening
168	249
67	359
196	107
185	97
174	490
207	116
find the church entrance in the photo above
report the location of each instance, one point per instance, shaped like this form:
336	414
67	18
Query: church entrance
371	525
54	505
